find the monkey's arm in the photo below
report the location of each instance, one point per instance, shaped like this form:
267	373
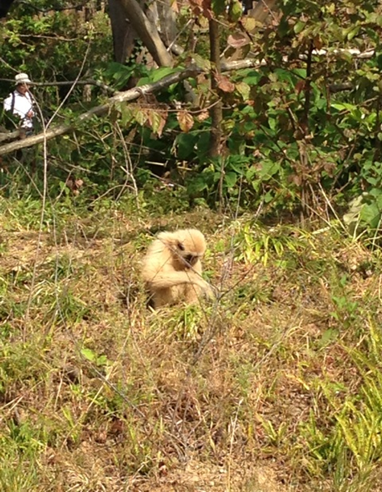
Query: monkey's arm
165	280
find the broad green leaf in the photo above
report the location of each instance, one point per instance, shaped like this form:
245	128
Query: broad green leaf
235	11
140	116
370	215
269	169
328	336
272	123
237	167
230	179
185	143
268	197
126	115
88	354
253	78
157	121
218	6
201	62
197	185
244	90
299	26
344	106
162	72
353	32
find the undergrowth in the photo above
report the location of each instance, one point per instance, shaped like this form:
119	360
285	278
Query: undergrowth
274	386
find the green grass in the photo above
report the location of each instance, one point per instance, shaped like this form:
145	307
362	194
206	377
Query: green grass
276	386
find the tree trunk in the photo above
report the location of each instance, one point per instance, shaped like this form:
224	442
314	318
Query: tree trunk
216	110
123	33
4	7
146	30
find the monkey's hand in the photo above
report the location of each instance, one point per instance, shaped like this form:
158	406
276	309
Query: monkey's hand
208	290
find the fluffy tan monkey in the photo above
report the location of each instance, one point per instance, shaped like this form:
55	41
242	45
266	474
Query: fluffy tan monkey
172	268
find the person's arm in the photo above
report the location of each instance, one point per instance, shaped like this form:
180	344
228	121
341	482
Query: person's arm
21	106
8	103
30	98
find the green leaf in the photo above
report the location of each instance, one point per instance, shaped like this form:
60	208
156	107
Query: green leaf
197	185
253	78
272	122
237	167
344	106
162	72
299	26
144	81
140	116
370	215
102	360
244	90
201	62
268	197
328	336
251	172
127	115
353	32
88	354
216	176
185	143
235	11
157	121
218	6
230	179
269	169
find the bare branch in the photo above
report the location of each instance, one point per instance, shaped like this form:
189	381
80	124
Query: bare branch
68	82
346	86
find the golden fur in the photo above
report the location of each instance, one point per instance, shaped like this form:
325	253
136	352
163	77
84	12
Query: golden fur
172	268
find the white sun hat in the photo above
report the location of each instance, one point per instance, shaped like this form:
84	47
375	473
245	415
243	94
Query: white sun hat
22	78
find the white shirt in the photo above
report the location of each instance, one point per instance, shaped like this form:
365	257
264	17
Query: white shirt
22	104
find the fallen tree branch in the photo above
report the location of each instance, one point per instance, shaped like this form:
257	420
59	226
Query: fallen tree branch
126	96
4	136
346	86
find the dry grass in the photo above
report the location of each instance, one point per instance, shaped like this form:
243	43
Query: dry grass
263	391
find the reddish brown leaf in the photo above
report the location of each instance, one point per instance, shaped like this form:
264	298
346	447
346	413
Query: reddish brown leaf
318	44
300	86
203	115
237	40
202	7
185	120
225	84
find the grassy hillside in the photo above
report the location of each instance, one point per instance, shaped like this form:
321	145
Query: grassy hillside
276	386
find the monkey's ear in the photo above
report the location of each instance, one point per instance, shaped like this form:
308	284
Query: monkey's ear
180	246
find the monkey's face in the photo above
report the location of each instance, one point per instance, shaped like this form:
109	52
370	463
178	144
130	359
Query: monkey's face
191	259
186	256
191	249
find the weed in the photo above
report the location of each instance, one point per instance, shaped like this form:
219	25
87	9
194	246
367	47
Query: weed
283	368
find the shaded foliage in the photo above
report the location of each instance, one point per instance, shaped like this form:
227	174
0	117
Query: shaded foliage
289	128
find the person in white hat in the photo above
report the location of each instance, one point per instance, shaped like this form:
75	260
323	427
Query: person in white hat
20	103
